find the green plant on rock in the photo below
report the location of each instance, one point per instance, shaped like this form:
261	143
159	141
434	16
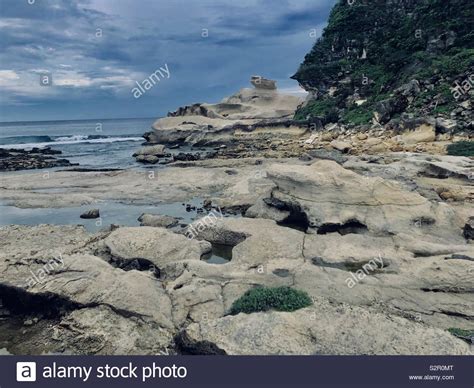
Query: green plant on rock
467	335
265	298
461	148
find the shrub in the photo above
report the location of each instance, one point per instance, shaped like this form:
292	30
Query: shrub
461	148
315	108
264	299
466	335
358	116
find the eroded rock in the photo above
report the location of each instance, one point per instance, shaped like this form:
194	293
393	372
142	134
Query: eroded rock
324	329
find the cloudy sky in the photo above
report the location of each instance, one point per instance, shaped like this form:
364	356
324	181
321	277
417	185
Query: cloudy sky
95	51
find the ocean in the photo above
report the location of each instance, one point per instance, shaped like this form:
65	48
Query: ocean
91	143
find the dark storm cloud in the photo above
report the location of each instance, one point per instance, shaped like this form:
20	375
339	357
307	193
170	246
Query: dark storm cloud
96	50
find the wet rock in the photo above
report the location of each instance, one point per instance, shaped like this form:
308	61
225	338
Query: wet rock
157	220
150	154
36	158
155	150
468	230
92	213
147	159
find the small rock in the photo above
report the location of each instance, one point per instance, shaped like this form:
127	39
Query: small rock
92	213
155	150
446	125
341	146
423	134
157	220
147	159
469	229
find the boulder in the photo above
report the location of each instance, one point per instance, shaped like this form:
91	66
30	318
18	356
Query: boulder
411	88
262	83
468	230
147	159
159	246
263	210
157	150
334	155
384	110
341	146
423	134
157	220
92	213
446	125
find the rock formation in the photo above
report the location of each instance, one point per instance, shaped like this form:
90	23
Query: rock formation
247	112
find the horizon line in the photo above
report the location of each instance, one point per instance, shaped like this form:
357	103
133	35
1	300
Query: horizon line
65	120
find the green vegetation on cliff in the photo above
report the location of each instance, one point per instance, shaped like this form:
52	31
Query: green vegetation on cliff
461	148
373	48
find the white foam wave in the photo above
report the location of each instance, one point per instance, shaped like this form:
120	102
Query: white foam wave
72	140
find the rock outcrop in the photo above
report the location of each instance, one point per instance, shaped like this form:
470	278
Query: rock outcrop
248	112
357	76
320	330
373	249
150	154
18	159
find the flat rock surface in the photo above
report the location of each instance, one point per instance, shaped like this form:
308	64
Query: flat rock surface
323	329
377	242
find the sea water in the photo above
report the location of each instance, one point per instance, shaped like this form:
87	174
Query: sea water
91	143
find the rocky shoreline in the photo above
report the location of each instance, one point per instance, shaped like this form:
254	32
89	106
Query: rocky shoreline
36	158
374	224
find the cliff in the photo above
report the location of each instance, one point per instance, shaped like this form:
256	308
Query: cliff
380	61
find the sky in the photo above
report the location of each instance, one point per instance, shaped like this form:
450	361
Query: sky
81	59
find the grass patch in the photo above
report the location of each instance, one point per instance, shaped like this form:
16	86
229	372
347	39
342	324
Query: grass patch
265	298
461	148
